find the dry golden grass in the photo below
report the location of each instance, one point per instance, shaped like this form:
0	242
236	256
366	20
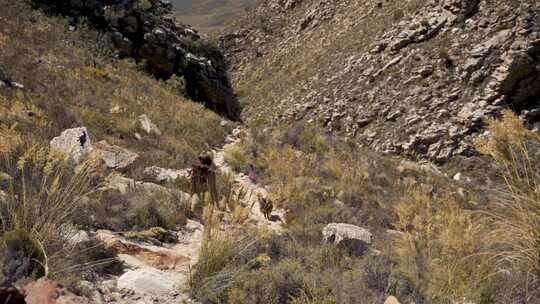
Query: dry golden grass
446	248
439	248
514	241
43	192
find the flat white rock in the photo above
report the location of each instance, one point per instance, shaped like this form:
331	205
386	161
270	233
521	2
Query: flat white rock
146	280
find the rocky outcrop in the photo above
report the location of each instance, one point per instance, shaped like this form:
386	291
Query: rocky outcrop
73	142
336	232
76	144
353	238
144	190
160	175
115	157
421	85
142	29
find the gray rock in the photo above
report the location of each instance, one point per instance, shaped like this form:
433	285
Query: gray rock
115	157
164	175
350	237
73	142
143	190
148	126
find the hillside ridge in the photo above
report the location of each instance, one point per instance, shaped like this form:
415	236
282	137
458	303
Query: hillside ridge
415	78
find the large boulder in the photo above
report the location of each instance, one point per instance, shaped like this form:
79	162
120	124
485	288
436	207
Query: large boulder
73	142
134	188
349	237
115	157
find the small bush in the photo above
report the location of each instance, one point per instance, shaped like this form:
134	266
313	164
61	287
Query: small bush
274	285
221	258
236	157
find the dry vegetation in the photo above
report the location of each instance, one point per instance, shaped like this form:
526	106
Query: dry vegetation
73	78
441	247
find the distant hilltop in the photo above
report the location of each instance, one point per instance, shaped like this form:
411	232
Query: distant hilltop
210	16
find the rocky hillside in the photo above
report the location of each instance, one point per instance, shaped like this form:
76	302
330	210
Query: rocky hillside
143	30
106	198
416	78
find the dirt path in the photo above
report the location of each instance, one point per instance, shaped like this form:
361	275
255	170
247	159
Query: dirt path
242	181
160	273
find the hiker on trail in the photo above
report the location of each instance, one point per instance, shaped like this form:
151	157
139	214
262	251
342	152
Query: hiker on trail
203	178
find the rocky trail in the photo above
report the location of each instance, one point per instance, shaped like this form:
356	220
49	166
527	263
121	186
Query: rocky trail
160	273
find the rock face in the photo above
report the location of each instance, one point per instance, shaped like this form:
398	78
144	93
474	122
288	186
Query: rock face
422	86
353	238
142	29
73	142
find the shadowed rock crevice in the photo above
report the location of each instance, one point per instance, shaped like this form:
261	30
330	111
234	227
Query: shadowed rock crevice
143	30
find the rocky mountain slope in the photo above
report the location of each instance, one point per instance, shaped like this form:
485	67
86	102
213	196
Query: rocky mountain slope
416	78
